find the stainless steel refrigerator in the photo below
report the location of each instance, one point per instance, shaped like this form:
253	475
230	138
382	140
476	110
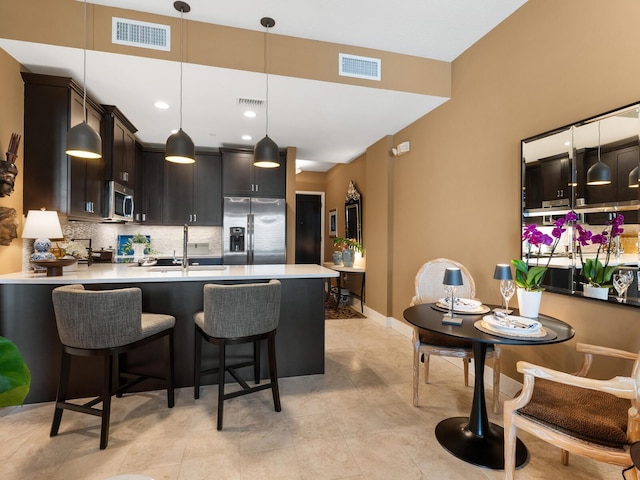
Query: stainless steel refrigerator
254	231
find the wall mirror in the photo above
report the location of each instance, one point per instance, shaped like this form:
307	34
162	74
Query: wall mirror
557	171
353	213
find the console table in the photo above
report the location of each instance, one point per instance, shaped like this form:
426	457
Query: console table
346	270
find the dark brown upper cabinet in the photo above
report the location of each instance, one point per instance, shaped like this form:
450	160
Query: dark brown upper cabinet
53	180
240	178
119	147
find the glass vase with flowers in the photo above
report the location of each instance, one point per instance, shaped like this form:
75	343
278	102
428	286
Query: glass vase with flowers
596	273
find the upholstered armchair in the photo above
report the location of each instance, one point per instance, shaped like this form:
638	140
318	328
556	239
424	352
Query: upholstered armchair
594	418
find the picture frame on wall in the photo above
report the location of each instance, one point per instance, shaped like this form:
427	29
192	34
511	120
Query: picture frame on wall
333	223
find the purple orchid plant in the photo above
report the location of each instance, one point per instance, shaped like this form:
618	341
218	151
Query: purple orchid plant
531	277
596	273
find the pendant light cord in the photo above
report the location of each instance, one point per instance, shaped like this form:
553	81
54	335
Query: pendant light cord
84	62
266	71
599	141
181	59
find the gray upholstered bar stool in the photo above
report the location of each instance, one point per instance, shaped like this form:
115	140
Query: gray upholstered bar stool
236	314
106	323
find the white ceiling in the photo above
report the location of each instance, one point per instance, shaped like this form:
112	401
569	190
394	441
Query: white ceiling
328	123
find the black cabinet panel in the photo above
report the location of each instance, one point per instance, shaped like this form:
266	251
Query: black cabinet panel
241	178
149	191
70	185
193	192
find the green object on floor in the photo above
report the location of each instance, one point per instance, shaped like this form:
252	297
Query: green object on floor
15	377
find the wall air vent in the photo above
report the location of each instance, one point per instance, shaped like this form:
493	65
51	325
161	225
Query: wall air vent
140	34
360	67
250	102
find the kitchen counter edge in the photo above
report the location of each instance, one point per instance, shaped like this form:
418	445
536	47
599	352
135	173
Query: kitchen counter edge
126	273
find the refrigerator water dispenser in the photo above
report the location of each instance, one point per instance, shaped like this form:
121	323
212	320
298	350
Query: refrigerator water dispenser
236	239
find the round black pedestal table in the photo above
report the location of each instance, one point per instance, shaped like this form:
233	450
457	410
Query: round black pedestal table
474	439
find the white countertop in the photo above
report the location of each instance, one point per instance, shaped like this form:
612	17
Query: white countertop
128	273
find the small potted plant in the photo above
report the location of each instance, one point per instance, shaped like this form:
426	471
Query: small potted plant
529	277
138	244
349	246
597	274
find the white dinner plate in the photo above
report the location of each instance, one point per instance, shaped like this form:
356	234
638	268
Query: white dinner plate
513	324
462	304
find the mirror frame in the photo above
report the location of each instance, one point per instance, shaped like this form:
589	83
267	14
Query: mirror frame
567	279
353	201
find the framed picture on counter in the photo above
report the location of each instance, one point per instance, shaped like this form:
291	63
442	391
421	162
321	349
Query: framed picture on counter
333	223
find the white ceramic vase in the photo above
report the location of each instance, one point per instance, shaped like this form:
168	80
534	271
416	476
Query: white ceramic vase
138	249
529	302
601	293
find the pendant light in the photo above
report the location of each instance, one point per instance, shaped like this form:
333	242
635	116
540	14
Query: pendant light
633	178
265	153
599	173
82	140
180	147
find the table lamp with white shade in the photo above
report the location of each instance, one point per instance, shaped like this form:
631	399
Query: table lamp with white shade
42	225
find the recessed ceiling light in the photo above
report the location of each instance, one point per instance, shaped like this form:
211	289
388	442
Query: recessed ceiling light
246	137
161	105
212	134
250	114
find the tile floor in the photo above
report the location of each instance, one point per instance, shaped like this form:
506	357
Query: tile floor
355	422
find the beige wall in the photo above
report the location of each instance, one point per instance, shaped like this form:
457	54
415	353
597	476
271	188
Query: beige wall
457	193
310	181
207	44
11	120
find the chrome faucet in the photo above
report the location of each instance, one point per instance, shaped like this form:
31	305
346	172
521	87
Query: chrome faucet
185	240
184	261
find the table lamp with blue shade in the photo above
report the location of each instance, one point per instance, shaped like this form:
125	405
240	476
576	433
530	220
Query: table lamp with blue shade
452	279
42	225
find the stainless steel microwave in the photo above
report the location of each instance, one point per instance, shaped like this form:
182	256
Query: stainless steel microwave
118	203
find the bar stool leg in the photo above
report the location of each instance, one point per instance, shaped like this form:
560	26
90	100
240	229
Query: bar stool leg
197	359
106	401
256	361
63	382
168	355
273	372
221	374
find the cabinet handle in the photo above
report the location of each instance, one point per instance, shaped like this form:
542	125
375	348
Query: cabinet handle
195	217
88	207
190	218
144	217
256	187
252	187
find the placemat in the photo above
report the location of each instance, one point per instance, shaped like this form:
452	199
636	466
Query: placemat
441	307
542	334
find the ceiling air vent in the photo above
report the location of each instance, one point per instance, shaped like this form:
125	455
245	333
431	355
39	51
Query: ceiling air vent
250	102
360	67
140	34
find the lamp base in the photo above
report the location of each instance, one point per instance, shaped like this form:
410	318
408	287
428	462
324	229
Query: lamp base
449	320
54	266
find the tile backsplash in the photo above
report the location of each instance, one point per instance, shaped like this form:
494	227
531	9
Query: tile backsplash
164	239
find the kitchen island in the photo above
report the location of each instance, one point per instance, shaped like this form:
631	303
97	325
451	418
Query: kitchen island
27	318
